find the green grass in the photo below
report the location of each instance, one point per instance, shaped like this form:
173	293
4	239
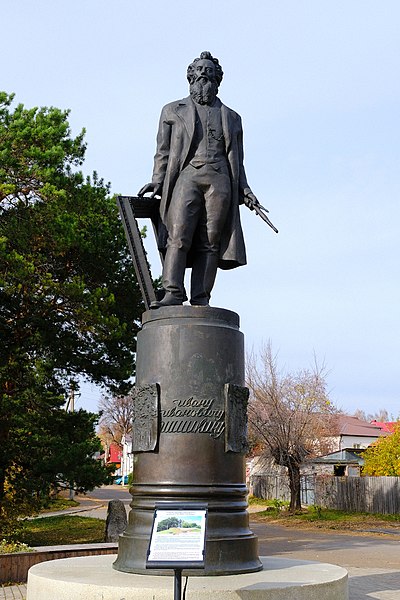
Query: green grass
315	513
63	529
271	505
59	504
252	500
318	517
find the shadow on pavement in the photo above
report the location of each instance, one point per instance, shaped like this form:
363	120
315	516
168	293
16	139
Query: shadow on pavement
384	585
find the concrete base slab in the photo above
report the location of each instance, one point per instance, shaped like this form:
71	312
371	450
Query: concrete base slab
93	578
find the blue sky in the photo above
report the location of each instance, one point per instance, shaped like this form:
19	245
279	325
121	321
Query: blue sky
317	85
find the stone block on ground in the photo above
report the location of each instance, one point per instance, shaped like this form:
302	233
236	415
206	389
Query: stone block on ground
116	522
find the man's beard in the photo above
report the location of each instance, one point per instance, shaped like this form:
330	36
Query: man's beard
203	91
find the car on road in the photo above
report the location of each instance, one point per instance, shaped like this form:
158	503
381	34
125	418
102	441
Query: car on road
118	480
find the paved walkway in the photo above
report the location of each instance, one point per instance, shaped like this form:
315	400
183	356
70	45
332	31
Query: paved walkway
373	562
13	592
368	583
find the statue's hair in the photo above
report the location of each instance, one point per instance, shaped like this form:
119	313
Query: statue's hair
208	56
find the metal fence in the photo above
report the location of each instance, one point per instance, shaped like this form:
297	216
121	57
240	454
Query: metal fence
355	494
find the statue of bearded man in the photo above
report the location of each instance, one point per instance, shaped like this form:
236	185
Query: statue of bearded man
200	176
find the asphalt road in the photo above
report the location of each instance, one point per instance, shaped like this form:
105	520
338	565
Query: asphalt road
344	549
110	492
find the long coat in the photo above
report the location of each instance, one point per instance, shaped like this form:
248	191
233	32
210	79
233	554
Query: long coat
174	138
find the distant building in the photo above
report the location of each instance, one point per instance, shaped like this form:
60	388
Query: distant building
114	454
346	462
352	435
355	433
121	456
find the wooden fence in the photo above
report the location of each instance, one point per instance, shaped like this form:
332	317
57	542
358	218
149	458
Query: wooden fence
358	494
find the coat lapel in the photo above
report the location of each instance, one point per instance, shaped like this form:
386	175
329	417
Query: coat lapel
187	113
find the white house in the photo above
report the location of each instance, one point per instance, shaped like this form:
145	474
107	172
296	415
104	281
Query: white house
355	433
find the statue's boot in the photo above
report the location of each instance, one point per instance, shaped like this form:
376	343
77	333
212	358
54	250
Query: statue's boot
168	300
173	278
204	272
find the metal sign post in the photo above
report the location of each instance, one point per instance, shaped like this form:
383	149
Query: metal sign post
178	584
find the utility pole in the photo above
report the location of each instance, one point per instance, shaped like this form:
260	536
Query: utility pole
73	387
71	408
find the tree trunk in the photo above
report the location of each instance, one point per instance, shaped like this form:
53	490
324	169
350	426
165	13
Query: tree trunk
294	484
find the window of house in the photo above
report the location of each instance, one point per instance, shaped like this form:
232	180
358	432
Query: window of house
339	470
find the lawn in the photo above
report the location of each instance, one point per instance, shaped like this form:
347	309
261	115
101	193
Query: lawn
59	503
63	529
316	517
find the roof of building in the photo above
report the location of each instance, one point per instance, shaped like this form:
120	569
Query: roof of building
356	427
344	457
385	426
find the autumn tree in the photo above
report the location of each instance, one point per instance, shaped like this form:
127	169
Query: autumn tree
116	417
290	415
382	458
69	301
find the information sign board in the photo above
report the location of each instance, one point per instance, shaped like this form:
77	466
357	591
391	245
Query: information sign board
178	537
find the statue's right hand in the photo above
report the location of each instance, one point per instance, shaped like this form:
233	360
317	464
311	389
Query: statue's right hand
150	187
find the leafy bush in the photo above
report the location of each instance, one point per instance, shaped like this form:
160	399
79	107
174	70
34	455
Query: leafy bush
7	547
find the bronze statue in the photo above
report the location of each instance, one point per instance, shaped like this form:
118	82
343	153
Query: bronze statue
199	174
190	421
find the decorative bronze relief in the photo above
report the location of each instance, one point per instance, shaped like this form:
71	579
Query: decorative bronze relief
145	418
236	399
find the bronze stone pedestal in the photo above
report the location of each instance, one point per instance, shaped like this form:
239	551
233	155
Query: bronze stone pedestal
189	434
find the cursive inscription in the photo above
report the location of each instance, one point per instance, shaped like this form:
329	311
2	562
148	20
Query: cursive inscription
192	415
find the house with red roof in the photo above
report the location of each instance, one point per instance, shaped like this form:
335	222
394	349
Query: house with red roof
388	426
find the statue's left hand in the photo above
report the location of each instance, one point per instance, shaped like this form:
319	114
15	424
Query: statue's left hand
250	200
150	187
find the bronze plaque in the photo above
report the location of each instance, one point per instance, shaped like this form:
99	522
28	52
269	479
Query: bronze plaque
236	399
145	418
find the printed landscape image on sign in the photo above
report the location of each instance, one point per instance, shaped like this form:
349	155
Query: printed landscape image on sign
177	538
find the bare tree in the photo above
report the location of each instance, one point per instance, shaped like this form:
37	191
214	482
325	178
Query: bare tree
290	414
382	415
360	414
116	417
